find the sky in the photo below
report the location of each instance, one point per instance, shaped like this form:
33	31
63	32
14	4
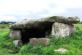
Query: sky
15	10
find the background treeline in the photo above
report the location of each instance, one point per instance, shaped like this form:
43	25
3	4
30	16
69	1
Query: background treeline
80	22
7	22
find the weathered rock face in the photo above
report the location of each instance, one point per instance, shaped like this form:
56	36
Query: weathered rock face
16	34
61	19
37	41
60	29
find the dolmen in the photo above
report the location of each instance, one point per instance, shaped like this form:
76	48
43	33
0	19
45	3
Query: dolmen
55	26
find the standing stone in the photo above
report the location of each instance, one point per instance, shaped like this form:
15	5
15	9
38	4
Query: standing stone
60	29
16	34
37	41
17	43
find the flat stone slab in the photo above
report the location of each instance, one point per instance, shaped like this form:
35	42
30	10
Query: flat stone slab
30	23
38	41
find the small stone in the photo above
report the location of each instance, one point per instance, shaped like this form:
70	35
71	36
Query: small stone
61	50
17	43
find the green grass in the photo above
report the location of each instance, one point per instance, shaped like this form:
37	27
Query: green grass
6	45
2	26
72	43
79	26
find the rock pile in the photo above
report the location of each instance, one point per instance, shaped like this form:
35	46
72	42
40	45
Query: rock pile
39	28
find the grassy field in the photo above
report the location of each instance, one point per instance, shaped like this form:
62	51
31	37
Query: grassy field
79	26
72	43
2	26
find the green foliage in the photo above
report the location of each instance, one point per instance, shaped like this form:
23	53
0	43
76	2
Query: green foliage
77	35
31	49
25	48
78	26
48	50
80	22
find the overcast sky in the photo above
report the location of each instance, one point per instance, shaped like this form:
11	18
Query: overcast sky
15	10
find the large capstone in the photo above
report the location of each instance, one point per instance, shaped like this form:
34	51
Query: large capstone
62	30
36	23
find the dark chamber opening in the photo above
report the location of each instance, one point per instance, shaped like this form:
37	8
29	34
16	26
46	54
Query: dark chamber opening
38	32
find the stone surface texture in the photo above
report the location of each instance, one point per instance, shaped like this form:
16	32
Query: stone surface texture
30	23
60	29
16	34
17	43
38	41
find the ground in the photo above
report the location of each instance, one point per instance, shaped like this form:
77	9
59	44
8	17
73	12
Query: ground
72	43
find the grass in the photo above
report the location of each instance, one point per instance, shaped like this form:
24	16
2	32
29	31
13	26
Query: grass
79	26
72	43
2	26
6	45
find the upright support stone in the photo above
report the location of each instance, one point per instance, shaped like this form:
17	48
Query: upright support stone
60	29
16	34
